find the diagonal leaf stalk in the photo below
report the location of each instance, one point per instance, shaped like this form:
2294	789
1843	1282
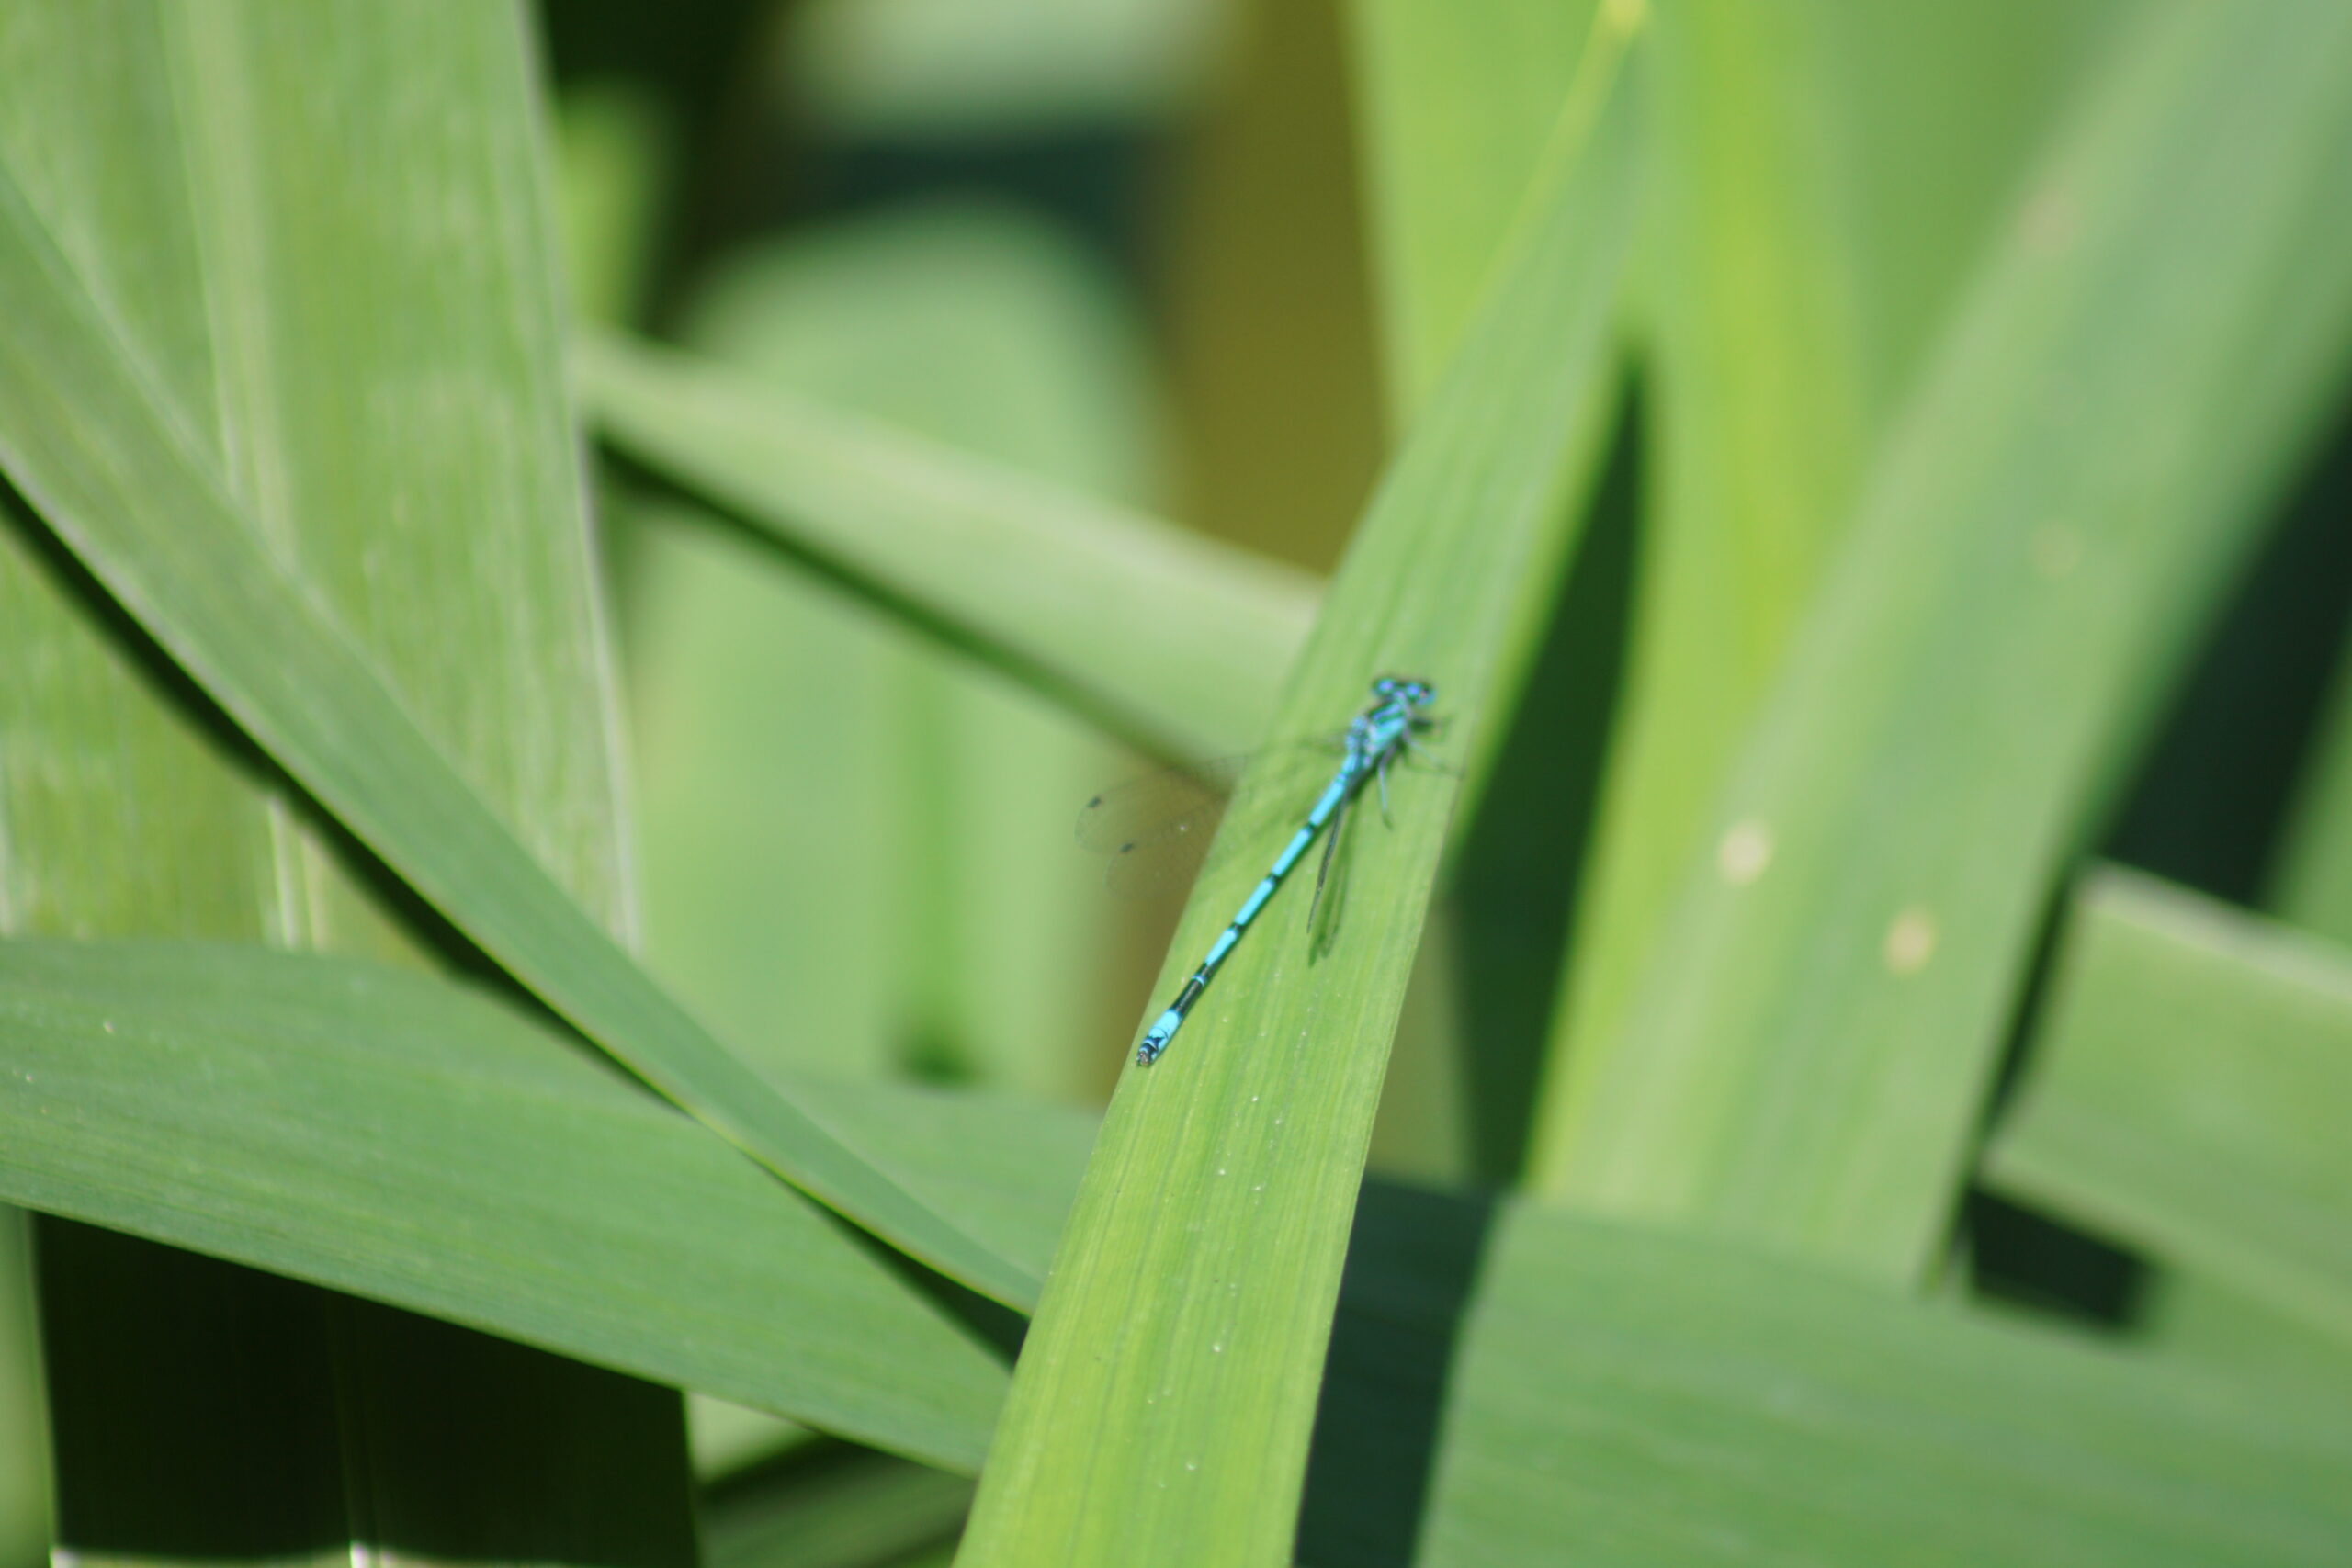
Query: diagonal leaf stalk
1161	1406
103	456
1165	637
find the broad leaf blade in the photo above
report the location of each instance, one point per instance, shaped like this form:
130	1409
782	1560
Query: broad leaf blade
1622	1397
1457	103
355	328
1825	176
124	815
2187	1094
115	471
1163	636
420	1143
1161	1406
2193	1319
2142	360
333	262
1584	1386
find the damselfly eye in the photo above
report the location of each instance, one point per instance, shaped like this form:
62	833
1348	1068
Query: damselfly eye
1385	687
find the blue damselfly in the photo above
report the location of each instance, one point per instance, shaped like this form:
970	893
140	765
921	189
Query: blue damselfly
1388	728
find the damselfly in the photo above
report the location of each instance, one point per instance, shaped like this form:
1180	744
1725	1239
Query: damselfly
1385	730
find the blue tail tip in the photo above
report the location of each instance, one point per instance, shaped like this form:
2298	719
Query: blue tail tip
1155	1038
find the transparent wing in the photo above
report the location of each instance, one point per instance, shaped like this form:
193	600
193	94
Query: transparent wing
1159	806
1157	828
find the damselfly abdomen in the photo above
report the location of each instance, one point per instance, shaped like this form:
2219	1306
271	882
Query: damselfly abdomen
1385	730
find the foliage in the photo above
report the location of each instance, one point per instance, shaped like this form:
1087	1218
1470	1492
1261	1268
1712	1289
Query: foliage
1852	470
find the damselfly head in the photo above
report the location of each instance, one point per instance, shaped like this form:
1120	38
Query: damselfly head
1412	692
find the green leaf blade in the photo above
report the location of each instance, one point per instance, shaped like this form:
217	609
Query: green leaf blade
1820	1022
319	231
1163	1401
1630	1397
1828	176
117	474
1458	104
417	1143
2187	1095
1601	1377
1164	636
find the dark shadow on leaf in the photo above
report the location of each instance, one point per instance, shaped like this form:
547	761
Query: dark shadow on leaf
1413	1262
2214	789
1522	862
2029	1259
205	1411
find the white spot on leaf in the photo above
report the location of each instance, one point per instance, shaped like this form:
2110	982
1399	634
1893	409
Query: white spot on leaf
1910	940
1745	850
